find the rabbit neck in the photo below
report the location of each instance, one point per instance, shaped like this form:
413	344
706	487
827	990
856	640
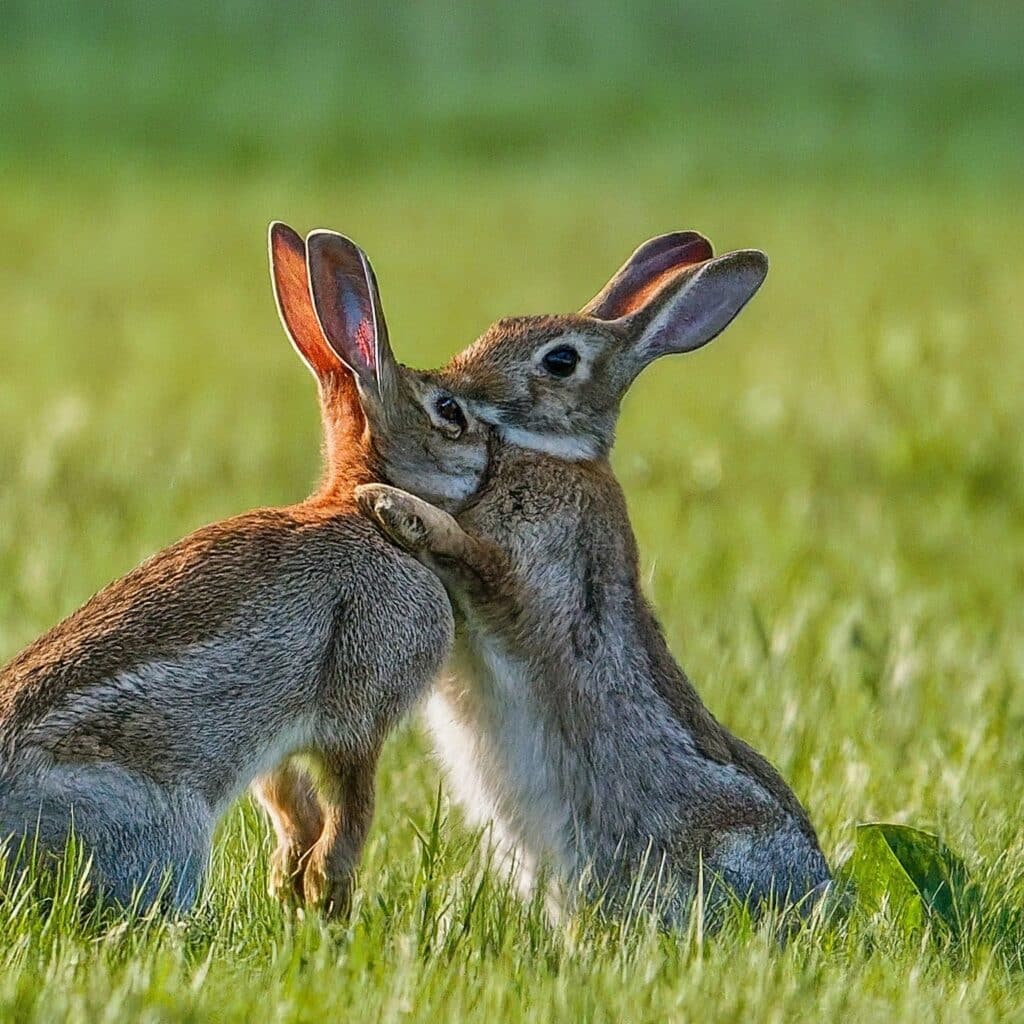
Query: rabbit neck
348	456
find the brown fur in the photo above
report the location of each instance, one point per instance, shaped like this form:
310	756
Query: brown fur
180	596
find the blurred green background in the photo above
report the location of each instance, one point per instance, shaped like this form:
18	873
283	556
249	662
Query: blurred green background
828	499
738	90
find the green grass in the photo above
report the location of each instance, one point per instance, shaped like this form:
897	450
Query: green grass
828	499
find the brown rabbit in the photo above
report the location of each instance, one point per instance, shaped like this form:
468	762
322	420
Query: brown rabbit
569	728
295	631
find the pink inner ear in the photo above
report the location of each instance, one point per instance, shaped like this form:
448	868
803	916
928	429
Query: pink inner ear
364	341
652	266
640	298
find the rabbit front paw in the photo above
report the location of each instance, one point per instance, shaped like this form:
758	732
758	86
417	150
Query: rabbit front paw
398	513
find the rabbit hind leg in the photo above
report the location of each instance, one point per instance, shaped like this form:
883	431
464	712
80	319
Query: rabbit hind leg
289	798
144	842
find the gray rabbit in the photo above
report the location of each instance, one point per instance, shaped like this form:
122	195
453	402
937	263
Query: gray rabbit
568	728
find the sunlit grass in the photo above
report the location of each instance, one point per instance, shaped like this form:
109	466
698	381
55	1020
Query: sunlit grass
828	499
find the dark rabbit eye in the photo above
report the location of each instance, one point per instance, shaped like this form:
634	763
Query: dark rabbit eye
450	411
561	361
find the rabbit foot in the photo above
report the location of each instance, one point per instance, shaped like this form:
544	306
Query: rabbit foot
330	893
286	873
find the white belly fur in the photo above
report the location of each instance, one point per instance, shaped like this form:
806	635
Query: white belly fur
502	763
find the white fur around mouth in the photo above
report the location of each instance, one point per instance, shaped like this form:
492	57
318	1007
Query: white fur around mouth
438	488
572	448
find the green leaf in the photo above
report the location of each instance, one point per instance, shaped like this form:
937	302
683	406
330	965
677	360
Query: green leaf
913	873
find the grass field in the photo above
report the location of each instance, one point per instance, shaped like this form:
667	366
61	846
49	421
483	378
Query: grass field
829	499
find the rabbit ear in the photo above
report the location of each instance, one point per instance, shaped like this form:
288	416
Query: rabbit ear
294	303
347	304
691	308
646	271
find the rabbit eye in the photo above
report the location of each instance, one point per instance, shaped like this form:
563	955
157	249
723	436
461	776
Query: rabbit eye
450	411
561	361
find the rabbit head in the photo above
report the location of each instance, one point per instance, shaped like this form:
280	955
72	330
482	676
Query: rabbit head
555	383
382	420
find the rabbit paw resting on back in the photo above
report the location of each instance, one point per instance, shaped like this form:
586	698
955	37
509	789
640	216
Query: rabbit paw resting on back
280	634
570	729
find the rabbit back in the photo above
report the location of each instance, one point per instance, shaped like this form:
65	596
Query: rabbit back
269	633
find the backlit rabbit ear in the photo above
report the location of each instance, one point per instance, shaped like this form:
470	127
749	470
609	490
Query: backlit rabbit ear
294	303
347	304
692	307
646	271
